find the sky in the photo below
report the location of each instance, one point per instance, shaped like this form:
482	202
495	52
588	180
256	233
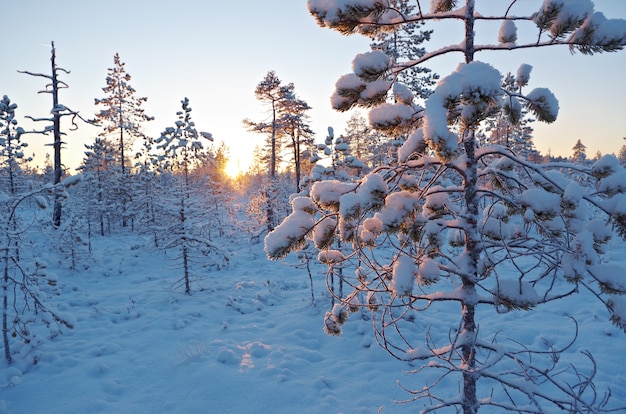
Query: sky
215	53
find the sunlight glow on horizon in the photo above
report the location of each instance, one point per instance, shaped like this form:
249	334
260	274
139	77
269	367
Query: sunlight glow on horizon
220	84
233	168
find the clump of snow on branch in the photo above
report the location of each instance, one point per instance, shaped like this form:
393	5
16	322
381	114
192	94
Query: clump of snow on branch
590	31
523	75
414	144
544	204
371	66
617	306
398	208
324	232
477	83
543	104
329	12
389	116
513	294
290	234
441	6
402	94
333	320
372	191
349	205
428	271
611	277
375	92
328	193
605	166
495	225
330	257
347	93
508	32
403	276
560	17
371	229
598	30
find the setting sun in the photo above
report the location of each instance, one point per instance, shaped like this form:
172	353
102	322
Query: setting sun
233	168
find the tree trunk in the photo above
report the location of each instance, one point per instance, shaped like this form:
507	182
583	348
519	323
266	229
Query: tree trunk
186	267
5	306
469	31
295	140
183	219
269	209
472	246
273	143
56	120
121	126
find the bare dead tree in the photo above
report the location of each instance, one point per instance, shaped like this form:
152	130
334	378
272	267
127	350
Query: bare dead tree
58	111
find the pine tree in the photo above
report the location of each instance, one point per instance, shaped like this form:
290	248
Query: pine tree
100	178
272	93
147	190
183	146
294	125
11	147
622	154
217	192
287	120
123	116
579	154
357	135
368	145
457	224
122	119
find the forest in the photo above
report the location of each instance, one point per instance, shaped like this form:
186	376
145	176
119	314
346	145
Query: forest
427	259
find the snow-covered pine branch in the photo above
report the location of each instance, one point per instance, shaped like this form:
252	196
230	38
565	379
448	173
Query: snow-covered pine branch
458	220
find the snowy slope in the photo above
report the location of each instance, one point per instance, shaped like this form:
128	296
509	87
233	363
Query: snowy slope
249	343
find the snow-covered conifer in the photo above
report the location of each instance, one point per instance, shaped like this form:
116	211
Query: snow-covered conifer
122	115
185	151
11	146
475	226
287	120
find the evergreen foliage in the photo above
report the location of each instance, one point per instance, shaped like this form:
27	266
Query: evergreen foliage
184	152
579	154
455	223
287	120
404	45
11	147
122	116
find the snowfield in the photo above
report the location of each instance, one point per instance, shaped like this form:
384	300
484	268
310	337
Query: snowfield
246	341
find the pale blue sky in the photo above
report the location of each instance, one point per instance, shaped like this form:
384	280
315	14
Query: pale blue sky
216	52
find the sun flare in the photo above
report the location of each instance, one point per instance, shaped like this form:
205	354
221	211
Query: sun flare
233	168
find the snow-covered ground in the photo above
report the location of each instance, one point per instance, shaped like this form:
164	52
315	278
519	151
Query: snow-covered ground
250	342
